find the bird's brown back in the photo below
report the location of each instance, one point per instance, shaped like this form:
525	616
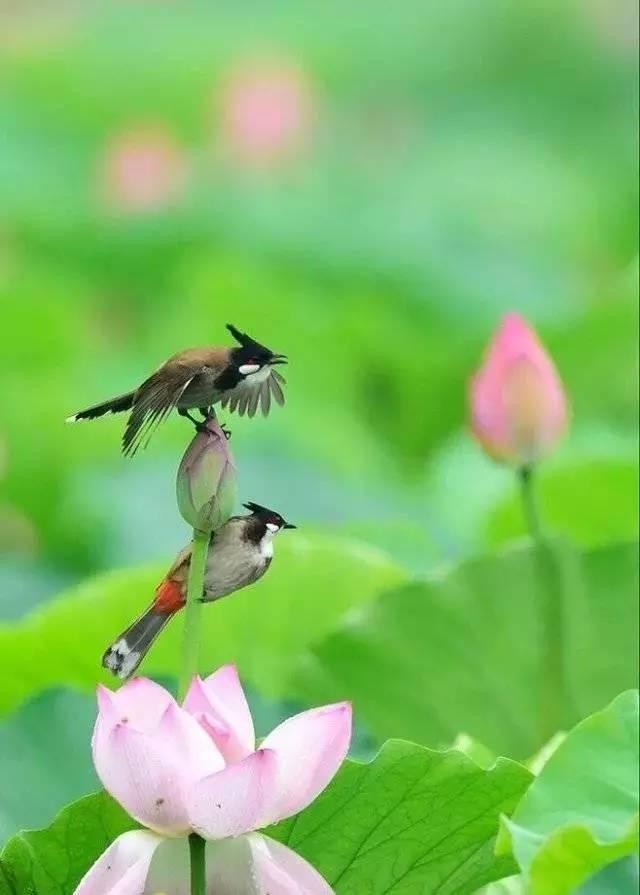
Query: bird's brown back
195	358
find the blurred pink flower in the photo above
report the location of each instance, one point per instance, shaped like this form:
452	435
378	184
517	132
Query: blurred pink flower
196	768
518	404
142	170
614	24
266	112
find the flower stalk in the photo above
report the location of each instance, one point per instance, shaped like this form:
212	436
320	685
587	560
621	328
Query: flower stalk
190	653
518	413
205	489
197	861
553	699
192	611
529	503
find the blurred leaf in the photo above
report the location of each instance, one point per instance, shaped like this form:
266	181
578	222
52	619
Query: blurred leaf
45	757
52	861
542	756
312	582
462	649
512	885
620	877
481	502
476	751
351	324
45	322
581	812
597	353
410	541
413	820
25	582
389	246
573	498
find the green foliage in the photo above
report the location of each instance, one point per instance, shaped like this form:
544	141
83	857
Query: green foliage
603	511
461	650
581	812
45	757
261	628
411	821
378	259
620	877
54	860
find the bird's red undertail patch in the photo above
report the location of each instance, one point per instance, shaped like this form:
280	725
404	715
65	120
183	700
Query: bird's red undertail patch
169	596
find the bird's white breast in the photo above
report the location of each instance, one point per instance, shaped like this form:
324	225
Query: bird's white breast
266	542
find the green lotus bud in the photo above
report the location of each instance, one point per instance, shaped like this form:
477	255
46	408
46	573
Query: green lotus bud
205	486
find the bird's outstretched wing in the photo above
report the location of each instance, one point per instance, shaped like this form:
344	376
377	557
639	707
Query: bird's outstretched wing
153	401
246	397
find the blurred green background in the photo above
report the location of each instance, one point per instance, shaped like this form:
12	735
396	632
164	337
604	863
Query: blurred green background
364	187
408	174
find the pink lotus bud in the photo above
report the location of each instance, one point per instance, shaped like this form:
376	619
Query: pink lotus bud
266	112
205	485
143	170
518	405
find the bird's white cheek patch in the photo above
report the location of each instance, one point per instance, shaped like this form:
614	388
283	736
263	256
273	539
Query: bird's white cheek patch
260	375
248	369
272	527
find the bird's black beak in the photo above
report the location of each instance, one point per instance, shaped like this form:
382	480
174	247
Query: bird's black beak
278	359
289	525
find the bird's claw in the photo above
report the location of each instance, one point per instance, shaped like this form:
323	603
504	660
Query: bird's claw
203	427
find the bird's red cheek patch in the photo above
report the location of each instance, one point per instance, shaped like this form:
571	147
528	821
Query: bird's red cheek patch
168	596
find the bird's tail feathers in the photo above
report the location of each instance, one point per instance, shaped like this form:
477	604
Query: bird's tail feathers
129	649
114	405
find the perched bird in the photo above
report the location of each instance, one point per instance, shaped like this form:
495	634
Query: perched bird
240	552
240	378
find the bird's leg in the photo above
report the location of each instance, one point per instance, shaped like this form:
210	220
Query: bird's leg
200	427
209	413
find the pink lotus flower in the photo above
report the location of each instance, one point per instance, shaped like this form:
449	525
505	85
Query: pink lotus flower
196	768
266	111
142	170
518	405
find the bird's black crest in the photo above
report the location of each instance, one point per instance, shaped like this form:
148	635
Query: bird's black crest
256	508
267	515
245	340
241	338
252	349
